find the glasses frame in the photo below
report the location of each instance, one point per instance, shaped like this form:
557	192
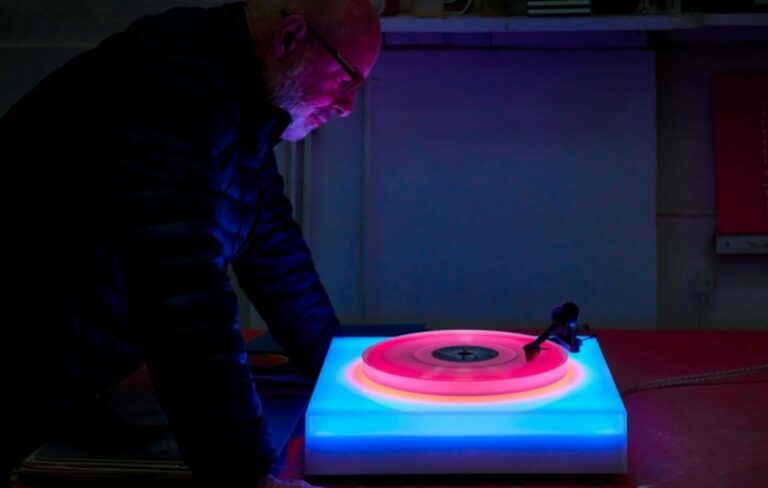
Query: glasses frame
356	77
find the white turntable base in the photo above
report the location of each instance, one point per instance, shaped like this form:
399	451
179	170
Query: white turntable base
578	427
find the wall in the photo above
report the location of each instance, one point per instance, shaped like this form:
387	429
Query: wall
698	289
353	207
495	191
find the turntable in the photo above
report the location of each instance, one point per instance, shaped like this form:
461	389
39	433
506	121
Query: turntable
466	401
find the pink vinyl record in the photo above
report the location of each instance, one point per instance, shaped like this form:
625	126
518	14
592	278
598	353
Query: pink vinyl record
463	362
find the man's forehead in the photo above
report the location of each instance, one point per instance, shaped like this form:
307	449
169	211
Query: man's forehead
361	49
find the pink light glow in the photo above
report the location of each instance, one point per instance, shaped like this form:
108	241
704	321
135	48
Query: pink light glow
406	363
572	378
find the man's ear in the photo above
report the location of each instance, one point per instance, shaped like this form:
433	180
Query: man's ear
290	32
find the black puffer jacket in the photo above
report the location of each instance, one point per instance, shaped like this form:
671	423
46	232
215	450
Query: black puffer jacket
135	175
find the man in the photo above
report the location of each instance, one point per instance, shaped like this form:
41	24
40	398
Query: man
139	171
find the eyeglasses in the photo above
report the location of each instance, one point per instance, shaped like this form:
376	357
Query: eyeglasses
356	78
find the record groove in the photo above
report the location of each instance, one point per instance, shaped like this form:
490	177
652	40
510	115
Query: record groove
493	363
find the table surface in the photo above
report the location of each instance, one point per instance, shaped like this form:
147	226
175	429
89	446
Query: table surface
706	435
714	434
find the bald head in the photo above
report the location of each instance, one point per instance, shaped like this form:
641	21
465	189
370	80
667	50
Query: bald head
328	16
311	52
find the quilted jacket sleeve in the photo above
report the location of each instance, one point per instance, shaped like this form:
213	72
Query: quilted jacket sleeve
166	129
277	274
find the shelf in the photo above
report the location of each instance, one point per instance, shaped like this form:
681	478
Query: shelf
639	22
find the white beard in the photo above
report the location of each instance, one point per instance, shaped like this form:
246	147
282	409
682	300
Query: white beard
287	94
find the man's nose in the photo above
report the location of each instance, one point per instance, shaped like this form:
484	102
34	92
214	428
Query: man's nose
342	106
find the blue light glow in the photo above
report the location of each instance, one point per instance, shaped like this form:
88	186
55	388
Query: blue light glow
350	429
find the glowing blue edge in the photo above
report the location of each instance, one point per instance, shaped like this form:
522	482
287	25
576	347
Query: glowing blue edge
353	431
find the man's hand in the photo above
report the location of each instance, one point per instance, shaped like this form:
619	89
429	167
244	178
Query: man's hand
271	482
